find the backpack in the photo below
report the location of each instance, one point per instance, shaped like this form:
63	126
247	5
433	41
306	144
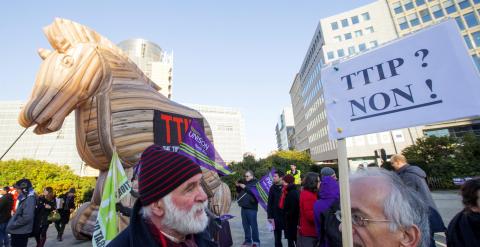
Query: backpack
329	229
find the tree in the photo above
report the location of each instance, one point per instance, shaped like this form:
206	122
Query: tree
43	174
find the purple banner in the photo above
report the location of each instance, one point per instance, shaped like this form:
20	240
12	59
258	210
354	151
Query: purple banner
263	187
196	146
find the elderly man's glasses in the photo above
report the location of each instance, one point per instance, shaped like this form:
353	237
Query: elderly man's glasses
358	220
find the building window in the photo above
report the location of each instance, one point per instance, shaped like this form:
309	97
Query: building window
344	22
338	38
449	6
476	59
334	25
476	38
471	19
373	43
330	55
460	22
397	7
420	2
468	41
362	47
408	5
402	23
369	29
348	36
425	15
355	19
413	19
351	50
437	11
463	4
366	16
358	33
340	53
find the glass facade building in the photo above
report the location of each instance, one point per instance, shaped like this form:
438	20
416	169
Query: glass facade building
285	130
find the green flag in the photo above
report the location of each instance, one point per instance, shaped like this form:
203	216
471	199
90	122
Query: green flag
115	188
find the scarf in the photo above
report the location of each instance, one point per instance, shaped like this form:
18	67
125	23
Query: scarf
281	203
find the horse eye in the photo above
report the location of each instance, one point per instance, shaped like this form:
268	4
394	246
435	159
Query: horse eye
67	61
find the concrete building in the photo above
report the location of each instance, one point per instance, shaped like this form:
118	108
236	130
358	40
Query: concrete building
338	37
156	63
412	15
58	147
285	130
228	129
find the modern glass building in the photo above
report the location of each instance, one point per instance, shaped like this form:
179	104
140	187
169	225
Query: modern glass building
156	63
285	130
339	37
58	147
228	129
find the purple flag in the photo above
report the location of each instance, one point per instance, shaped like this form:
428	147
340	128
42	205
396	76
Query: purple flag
196	146
263	187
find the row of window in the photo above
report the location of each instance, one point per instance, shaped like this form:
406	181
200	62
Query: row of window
449	5
317	120
412	20
324	147
353	20
358	33
312	94
351	50
311	78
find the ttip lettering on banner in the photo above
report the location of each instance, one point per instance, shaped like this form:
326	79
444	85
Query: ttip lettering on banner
386	102
169	129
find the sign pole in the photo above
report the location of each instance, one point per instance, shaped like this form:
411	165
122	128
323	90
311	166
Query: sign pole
344	193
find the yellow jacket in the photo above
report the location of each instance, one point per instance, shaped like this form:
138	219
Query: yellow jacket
297	176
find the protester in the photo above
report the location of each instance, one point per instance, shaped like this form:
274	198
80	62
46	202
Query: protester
324	209
249	208
6	202
307	235
65	208
45	206
414	177
21	224
385	212
274	212
464	229
171	206
297	174
291	209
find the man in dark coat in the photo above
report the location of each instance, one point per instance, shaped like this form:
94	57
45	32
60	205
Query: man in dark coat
415	178
171	208
249	208
6	203
20	226
67	205
274	212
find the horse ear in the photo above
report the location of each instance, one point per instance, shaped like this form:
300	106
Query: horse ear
44	53
56	39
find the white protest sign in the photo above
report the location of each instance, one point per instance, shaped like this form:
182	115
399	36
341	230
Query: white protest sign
423	78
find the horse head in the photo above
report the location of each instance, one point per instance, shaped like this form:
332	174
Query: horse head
68	76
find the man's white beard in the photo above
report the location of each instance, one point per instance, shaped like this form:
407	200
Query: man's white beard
182	221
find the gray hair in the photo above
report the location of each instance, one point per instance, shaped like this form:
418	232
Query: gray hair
402	206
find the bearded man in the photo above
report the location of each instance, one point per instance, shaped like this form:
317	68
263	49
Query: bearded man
171	207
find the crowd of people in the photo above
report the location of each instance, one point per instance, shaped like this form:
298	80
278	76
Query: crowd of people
24	214
388	208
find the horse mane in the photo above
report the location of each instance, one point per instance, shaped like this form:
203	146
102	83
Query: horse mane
63	33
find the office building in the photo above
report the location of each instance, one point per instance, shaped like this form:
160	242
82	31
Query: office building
285	130
58	147
156	63
228	129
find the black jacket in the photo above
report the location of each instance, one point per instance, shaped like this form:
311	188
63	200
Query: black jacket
138	233
6	204
273	211
291	209
43	212
246	199
464	230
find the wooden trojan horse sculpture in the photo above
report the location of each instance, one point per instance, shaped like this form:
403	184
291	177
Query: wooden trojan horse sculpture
116	108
